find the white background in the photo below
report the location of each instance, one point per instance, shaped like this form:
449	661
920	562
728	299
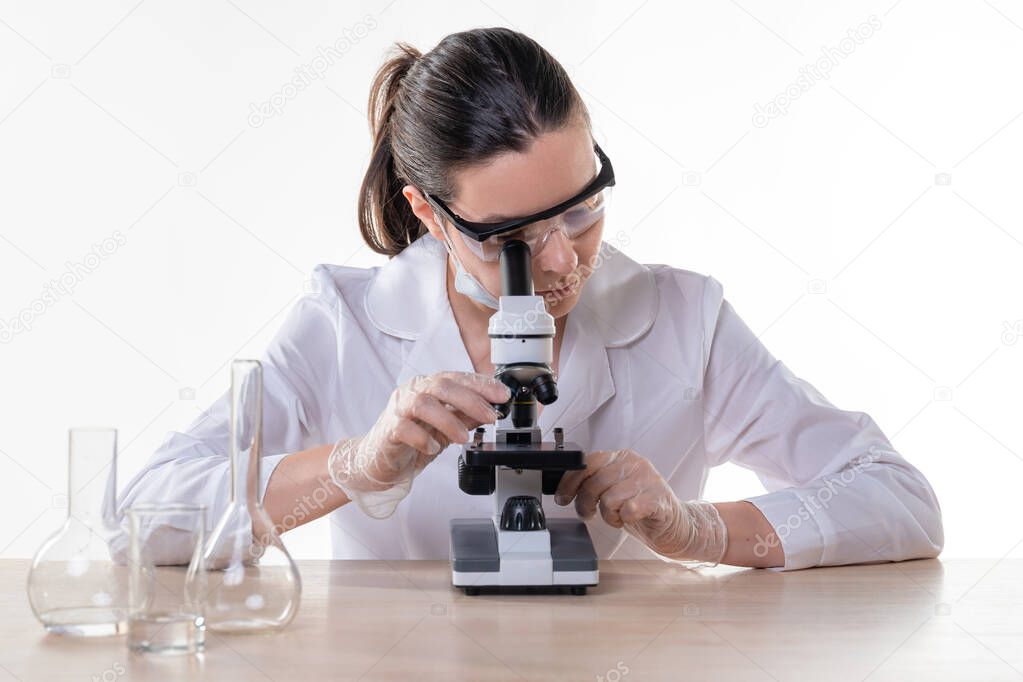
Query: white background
871	235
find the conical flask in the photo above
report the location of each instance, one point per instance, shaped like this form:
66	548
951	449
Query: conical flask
253	585
73	586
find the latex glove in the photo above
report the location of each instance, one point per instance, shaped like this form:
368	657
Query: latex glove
422	417
631	494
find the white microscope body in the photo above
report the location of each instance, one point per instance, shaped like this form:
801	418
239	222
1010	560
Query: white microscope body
518	546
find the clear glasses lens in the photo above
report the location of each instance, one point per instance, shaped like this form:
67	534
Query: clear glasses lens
574	222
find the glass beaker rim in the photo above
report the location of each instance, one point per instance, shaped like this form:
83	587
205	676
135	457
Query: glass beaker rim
158	508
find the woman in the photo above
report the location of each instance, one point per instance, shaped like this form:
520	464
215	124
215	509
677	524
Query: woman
373	383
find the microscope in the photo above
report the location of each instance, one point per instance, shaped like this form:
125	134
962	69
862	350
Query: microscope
518	547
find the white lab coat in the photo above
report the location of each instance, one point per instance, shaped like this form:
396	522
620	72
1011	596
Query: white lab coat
654	359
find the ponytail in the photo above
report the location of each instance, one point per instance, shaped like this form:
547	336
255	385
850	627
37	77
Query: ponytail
386	220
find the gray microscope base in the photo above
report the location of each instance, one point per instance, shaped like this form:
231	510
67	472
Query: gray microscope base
476	562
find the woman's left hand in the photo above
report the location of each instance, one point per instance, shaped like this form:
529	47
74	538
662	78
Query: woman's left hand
631	494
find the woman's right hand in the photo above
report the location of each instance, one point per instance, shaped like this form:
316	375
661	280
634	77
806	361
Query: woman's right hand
422	417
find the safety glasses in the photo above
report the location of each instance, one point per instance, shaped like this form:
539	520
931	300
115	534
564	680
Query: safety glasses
573	217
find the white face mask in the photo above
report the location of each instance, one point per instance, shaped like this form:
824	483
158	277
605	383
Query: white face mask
465	283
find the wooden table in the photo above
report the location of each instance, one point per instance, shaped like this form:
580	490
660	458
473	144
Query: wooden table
933	620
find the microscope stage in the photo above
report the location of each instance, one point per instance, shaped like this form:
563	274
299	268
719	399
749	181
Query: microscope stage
548	456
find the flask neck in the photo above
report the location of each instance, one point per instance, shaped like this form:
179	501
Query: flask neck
246	439
92	476
245	475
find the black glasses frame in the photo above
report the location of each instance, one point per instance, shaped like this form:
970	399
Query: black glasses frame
482	231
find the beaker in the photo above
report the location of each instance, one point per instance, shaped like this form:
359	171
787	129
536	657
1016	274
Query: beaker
165	605
74	587
252	583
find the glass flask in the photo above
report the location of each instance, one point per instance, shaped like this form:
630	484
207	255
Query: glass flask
252	583
74	587
165	609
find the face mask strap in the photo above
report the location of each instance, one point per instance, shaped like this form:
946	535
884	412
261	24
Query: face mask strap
447	240
465	282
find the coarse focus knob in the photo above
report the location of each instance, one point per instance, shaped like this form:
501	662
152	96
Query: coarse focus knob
475	480
522	512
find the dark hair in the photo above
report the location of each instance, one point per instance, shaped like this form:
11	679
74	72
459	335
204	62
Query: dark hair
477	94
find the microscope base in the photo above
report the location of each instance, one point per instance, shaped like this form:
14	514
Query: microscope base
477	562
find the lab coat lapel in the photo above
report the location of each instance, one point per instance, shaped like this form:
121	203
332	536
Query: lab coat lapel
439	349
584	376
408	298
617	306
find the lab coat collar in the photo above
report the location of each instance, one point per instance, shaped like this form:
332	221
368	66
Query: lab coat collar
408	298
408	294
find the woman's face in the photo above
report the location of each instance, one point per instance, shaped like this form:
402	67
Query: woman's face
555	167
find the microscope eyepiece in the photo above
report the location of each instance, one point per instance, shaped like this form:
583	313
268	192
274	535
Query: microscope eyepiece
516	273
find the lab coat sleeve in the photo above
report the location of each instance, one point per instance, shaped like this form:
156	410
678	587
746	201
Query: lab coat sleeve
192	466
838	492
